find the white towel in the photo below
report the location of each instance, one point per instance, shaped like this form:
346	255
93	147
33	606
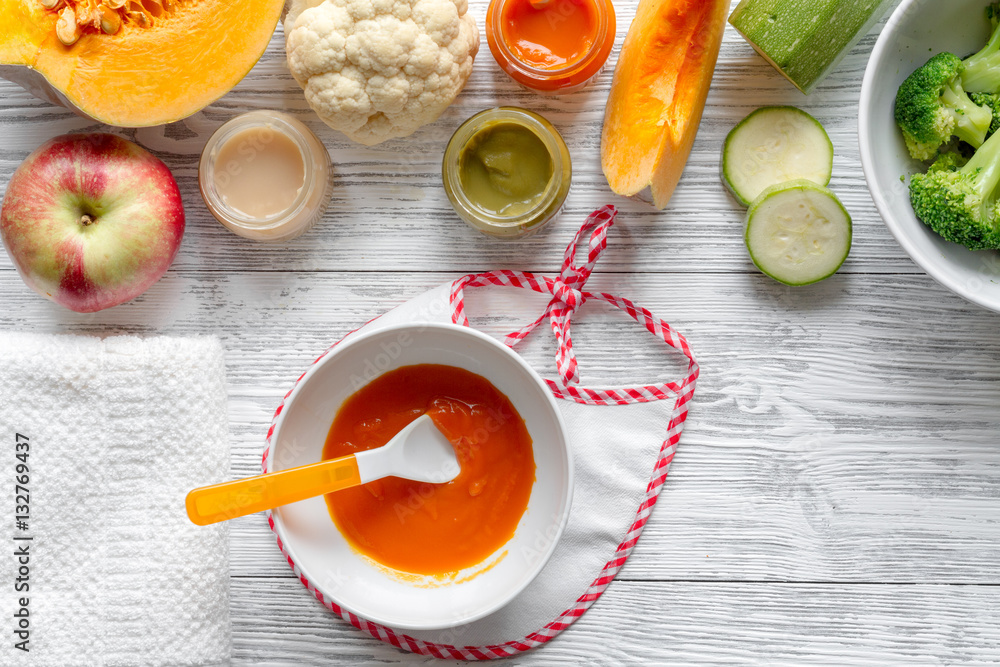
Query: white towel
118	430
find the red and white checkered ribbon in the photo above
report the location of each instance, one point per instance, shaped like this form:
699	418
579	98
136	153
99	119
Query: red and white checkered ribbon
567	296
565	291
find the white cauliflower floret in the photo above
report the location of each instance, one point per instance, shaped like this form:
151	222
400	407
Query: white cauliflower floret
379	69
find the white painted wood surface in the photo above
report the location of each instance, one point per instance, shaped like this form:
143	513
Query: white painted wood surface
836	497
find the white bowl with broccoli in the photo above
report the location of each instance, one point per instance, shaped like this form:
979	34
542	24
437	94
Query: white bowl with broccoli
915	32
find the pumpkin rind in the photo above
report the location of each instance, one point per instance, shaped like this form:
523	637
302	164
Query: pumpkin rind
139	76
658	93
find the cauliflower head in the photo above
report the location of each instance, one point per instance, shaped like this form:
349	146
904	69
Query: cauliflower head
379	69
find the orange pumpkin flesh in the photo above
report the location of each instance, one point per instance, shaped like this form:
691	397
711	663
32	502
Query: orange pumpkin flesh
659	90
188	58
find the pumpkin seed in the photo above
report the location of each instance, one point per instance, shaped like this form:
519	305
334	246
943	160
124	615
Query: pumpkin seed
111	21
140	17
51	4
66	28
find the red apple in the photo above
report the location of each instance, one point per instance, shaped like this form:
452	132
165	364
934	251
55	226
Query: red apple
91	220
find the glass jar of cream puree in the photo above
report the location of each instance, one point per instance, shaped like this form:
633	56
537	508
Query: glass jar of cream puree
266	176
507	172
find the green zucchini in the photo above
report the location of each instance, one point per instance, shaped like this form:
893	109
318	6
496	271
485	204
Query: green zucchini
806	39
798	232
774	145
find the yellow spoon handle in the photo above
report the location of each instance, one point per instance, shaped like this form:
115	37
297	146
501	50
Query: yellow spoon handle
220	502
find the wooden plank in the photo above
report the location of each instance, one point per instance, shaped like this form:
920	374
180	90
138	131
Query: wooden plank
840	432
390	211
673	623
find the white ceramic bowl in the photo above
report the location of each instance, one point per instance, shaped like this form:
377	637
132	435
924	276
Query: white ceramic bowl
917	30
353	581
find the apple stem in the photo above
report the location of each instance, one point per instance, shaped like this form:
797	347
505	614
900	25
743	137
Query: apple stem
86	220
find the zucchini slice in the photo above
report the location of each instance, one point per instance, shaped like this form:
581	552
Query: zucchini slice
798	232
774	145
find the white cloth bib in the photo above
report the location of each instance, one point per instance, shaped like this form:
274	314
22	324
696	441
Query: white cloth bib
623	440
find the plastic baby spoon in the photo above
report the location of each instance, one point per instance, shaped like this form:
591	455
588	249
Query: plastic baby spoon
419	452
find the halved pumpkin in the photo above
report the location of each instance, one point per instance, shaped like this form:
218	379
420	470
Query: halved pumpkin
658	93
181	57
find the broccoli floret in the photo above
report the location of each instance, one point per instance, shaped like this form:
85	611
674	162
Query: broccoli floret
931	106
960	204
992	102
981	73
948	161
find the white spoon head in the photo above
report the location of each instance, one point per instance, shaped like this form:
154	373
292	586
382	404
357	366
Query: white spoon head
419	452
427	455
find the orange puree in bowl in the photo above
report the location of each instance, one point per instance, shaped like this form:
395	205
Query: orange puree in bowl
434	528
549	34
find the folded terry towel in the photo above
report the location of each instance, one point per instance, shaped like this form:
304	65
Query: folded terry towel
116	431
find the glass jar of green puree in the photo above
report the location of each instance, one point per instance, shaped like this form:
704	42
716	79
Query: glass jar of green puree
507	172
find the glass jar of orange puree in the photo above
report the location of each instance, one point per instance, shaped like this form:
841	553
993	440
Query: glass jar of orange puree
551	46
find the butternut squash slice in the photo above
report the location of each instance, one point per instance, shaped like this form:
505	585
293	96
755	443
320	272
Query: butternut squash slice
130	63
658	94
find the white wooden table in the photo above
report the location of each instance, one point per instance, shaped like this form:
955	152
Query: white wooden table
836	497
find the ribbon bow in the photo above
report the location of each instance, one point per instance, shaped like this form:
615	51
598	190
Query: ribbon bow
566	290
